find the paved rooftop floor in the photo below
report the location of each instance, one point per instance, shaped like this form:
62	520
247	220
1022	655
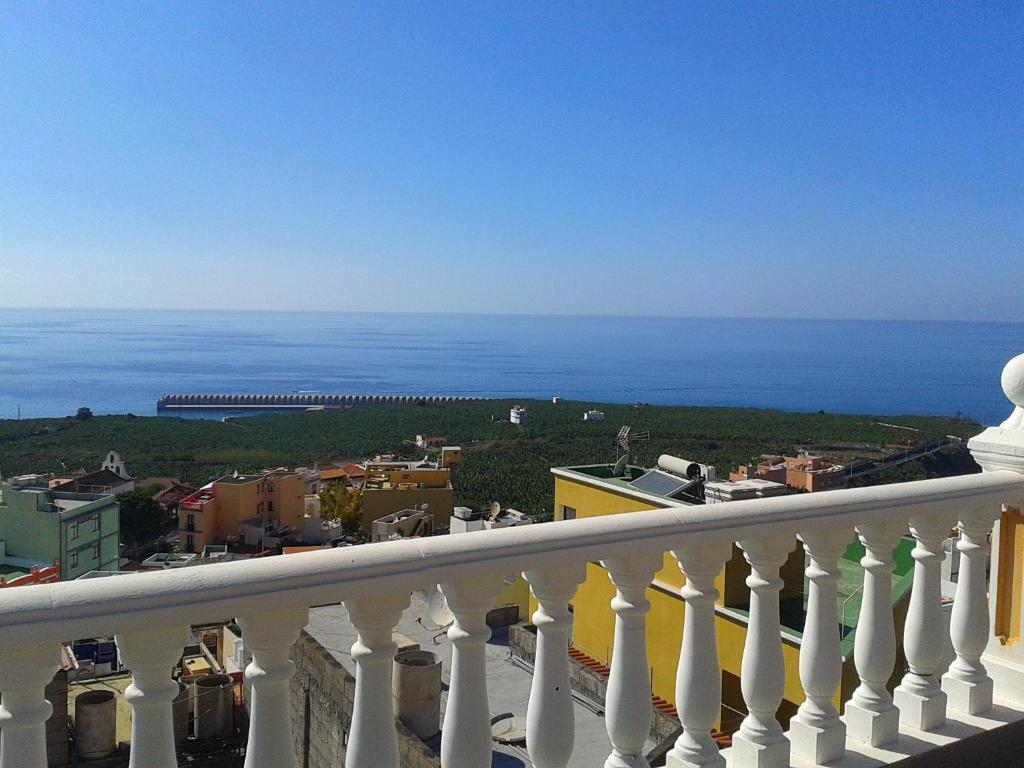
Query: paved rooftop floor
508	685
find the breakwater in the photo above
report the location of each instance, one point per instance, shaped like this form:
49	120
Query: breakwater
299	402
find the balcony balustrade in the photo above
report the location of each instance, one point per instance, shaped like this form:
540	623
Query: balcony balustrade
150	614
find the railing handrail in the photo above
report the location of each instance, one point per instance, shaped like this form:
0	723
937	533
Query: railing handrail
93	607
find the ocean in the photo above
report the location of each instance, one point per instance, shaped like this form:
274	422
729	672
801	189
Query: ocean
54	361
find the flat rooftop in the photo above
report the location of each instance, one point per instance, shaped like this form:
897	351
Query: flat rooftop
603	475
508	685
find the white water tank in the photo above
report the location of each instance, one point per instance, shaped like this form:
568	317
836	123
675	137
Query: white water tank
95	724
416	690
215	706
686	468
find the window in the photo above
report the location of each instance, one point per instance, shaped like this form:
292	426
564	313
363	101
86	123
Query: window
191	522
270	506
73	529
96	551
96	523
568	513
74	559
190	543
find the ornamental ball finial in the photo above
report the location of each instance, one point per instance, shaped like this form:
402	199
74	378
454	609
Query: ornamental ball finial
1013	381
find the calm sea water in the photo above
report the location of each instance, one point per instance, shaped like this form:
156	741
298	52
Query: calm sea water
52	362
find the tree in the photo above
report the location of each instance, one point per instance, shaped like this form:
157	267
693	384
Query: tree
83	414
142	520
337	502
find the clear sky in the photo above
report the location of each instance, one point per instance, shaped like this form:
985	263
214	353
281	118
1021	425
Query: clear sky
753	159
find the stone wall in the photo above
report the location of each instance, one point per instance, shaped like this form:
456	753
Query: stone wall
57	749
322	693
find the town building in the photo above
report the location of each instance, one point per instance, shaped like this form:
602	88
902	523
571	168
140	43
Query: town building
429	442
271	500
803	472
348	474
593	415
78	531
517	414
595	491
392	486
111	478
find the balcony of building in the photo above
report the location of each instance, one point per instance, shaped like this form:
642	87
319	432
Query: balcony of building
930	713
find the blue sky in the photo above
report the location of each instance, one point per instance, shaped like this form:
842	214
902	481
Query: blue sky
753	159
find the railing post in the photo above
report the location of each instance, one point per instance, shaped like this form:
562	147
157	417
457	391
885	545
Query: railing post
466	735
628	697
550	723
151	655
25	672
270	637
871	717
967	683
373	740
760	742
816	732
919	697
698	676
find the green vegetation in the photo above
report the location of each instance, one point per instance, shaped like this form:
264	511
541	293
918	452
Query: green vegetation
338	503
142	520
502	462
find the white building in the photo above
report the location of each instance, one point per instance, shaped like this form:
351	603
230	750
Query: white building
593	416
517	415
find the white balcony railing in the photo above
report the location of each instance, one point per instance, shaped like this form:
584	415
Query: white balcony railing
150	615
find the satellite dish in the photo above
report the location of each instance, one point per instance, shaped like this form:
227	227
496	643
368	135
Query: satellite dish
620	465
437	610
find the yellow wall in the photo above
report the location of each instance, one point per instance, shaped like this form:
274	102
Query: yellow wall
594	620
378	502
432	478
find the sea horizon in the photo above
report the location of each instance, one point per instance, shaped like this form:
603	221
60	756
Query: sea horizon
123	360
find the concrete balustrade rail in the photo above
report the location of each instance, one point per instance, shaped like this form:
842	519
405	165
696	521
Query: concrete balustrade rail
150	614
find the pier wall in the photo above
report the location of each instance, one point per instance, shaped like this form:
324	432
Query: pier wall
220	402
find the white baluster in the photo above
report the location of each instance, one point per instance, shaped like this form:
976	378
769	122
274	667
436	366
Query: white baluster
871	717
967	682
25	671
373	740
919	696
760	742
816	733
466	735
698	676
550	724
151	655
270	637
628	697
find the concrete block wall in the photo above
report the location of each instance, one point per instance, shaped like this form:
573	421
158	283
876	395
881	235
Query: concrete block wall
322	694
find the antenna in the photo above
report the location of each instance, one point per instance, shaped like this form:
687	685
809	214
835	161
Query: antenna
623	444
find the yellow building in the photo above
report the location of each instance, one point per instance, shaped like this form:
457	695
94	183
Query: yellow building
392	486
213	514
592	491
